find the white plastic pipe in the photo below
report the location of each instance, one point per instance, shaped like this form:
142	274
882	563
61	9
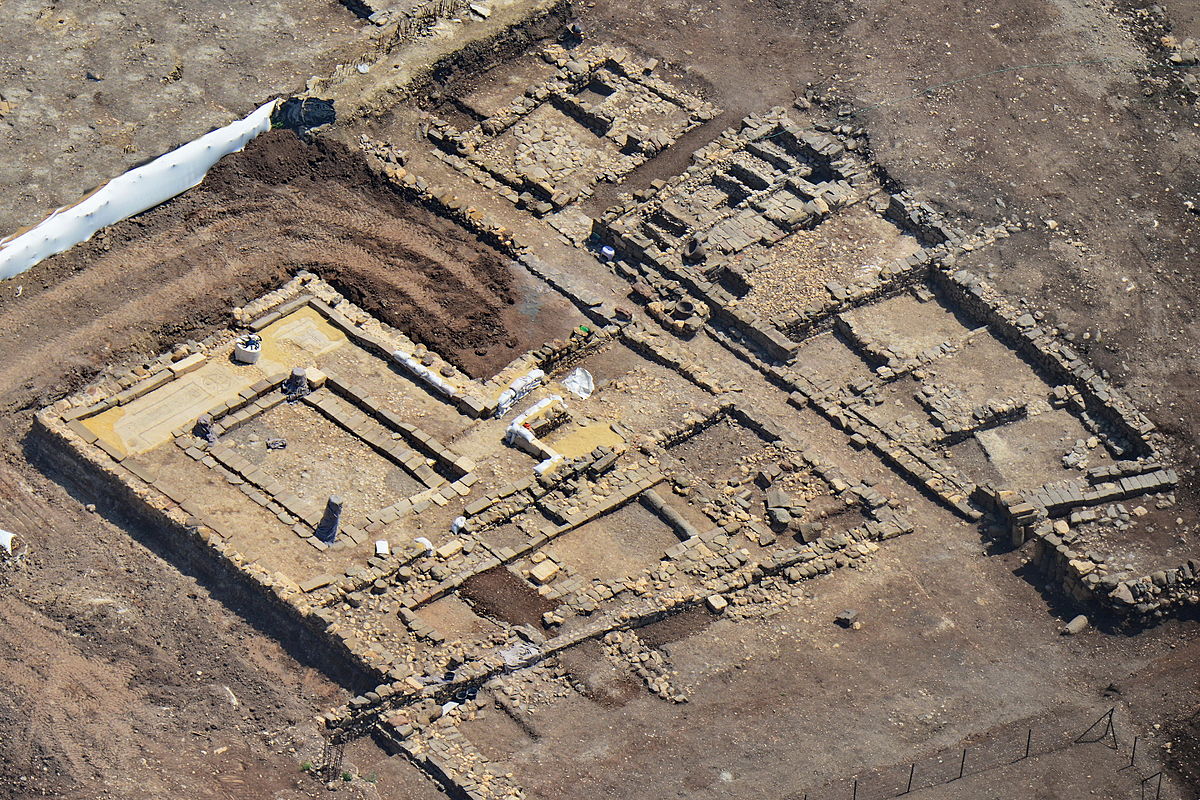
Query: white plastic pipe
132	193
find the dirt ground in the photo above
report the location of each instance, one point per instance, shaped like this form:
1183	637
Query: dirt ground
1060	113
279	207
768	699
125	678
89	89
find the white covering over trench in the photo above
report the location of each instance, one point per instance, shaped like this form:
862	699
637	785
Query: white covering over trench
132	193
580	382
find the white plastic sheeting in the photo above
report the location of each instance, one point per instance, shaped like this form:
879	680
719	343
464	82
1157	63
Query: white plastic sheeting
6	541
550	464
129	194
516	433
580	383
518	389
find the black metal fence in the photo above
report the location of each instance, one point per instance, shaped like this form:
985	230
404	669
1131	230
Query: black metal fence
998	750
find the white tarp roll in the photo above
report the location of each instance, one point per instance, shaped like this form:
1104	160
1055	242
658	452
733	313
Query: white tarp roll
132	193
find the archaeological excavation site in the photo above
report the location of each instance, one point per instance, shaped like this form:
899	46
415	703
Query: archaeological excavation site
542	400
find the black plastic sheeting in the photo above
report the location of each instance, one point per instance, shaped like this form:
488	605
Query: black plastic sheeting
302	115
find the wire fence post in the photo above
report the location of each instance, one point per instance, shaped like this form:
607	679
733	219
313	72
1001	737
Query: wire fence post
1109	731
911	771
1132	755
1157	786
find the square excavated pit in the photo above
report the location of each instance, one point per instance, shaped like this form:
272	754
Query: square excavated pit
321	459
501	595
719	452
828	355
597	114
907	325
851	245
618	544
454	618
1029	452
488	92
551	148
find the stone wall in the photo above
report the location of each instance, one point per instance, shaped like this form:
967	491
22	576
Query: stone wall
267	601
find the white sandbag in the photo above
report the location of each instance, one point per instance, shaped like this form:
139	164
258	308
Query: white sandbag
516	431
132	193
518	389
6	541
580	383
424	373
549	464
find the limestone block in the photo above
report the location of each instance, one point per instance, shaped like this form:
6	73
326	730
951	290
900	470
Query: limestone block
186	365
449	549
544	572
716	603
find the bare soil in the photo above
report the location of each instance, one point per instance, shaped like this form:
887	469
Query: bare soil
280	206
617	545
717	452
89	89
499	594
793	704
115	661
126	678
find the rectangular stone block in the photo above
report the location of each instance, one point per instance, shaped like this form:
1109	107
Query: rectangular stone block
317	582
82	431
189	364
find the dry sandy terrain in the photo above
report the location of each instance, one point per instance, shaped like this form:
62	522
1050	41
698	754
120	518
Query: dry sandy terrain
125	674
89	89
